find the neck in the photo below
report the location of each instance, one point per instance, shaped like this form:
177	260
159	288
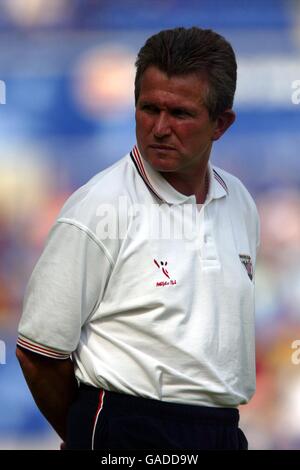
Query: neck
195	184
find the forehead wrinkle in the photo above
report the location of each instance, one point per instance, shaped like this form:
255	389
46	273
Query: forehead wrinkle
170	102
173	88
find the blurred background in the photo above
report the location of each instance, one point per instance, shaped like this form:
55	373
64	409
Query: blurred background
67	71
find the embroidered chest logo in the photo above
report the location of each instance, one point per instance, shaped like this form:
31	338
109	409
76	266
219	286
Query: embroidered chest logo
162	265
246	260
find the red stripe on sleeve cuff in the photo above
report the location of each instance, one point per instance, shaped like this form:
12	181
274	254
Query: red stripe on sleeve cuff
41	349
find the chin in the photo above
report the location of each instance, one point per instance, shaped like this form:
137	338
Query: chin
162	165
162	162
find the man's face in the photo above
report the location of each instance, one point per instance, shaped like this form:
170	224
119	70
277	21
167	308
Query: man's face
173	129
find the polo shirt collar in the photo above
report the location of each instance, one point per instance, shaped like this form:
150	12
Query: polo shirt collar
165	192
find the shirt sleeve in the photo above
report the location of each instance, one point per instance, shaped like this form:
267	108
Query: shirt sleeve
65	288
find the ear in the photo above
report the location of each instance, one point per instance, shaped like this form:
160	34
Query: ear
222	123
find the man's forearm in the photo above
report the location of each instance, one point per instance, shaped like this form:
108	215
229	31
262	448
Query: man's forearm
52	384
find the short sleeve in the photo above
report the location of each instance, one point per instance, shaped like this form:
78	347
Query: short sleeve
65	287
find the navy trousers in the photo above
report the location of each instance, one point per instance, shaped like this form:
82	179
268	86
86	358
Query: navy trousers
104	420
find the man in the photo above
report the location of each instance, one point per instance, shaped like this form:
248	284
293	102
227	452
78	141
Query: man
160	328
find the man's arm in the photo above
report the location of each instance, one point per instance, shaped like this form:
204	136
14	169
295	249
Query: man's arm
53	386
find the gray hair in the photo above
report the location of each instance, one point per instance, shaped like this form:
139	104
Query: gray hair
183	51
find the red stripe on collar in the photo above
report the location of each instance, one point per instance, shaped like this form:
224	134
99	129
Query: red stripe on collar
140	166
220	180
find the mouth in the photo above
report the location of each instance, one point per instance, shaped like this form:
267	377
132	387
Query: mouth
161	147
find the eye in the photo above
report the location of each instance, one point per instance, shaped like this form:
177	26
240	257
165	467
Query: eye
149	108
180	113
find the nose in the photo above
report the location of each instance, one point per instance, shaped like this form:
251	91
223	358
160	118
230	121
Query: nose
162	125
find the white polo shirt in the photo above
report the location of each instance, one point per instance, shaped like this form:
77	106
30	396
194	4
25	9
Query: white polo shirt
152	295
